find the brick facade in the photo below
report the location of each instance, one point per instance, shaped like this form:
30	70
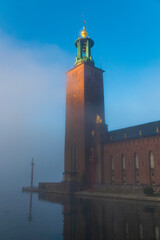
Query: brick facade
143	148
129	156
84	100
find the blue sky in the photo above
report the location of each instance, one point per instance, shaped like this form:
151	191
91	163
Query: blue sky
37	48
124	31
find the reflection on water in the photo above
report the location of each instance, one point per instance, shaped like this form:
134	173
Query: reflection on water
30	208
107	219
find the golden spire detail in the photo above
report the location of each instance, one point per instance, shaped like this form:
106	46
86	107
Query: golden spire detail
84	33
157	130
98	119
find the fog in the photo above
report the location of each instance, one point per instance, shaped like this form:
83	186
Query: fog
32	107
32	111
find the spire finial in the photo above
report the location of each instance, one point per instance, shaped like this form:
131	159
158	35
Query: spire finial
84	33
84	20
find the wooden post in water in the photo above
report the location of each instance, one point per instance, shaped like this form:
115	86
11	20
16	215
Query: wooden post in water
32	164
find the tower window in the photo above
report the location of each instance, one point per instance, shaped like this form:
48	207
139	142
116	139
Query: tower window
151	160
112	163
136	161
123	162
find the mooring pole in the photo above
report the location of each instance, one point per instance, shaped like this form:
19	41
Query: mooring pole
32	164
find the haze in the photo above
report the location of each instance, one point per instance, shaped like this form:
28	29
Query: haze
37	48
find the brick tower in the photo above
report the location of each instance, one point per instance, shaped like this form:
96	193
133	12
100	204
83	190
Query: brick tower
84	101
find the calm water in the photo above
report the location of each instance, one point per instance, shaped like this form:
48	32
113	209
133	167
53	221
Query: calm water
47	216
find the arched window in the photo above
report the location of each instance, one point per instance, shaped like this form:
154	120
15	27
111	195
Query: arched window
123	162
151	160
136	161
151	166
112	163
136	166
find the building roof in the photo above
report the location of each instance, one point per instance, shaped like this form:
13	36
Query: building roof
139	131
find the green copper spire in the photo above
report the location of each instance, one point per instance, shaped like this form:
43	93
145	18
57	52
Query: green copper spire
84	46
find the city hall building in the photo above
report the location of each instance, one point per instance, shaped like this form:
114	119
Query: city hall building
94	155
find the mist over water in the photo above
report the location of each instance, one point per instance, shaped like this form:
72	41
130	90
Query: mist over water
49	216
32	112
32	125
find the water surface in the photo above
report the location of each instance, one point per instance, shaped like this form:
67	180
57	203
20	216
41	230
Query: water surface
48	216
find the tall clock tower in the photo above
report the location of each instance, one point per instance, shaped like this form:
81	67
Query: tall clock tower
84	101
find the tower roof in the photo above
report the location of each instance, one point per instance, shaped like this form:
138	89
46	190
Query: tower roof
139	131
84	45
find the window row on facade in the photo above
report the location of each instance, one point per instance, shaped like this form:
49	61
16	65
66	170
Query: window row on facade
135	168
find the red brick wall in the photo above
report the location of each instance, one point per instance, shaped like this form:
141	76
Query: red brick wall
142	147
84	100
74	128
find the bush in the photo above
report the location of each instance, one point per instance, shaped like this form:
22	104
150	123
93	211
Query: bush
148	190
